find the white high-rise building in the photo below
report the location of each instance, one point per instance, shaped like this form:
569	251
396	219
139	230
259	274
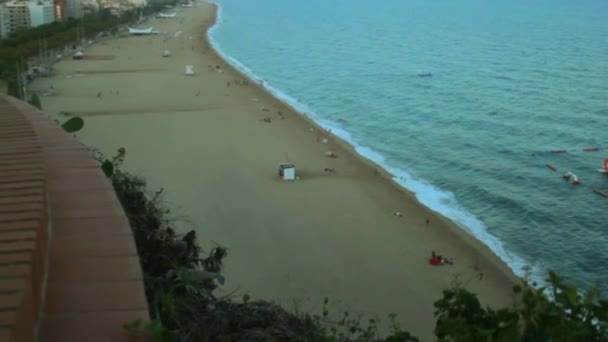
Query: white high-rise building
15	15
3	22
41	13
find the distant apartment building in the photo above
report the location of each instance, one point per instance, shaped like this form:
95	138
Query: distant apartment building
15	15
3	22
74	8
41	13
60	10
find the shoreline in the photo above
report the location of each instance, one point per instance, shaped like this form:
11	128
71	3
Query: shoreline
460	230
326	235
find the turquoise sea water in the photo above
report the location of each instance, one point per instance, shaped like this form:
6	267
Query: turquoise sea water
511	81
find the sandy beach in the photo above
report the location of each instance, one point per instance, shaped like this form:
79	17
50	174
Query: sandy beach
203	139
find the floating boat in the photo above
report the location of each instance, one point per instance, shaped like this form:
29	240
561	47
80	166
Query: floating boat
600	192
551	167
425	74
559	151
605	169
570	175
591	149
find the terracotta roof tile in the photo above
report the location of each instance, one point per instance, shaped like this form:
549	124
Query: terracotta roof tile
19	225
95	296
23	235
11	285
90	269
20	216
90	227
107	326
15	258
21	185
14	270
12	247
7	318
9	301
19	207
4	193
113	245
5	334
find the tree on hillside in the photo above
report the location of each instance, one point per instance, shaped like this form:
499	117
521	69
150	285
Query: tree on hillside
556	312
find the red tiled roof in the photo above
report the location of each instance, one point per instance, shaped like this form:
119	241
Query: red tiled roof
69	269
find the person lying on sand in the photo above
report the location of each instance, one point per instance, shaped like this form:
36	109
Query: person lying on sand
330	154
268	120
330	170
440	260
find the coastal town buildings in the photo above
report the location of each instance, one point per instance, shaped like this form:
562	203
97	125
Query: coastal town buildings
18	14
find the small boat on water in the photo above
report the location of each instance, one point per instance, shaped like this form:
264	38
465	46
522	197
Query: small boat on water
600	192
569	175
605	169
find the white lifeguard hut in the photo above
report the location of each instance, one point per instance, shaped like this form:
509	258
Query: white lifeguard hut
78	55
190	70
287	171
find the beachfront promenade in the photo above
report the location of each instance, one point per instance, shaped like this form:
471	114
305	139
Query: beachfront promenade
69	269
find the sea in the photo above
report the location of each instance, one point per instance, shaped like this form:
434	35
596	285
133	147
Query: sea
462	101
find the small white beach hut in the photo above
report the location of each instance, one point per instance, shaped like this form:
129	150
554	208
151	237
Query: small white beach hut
78	55
167	53
287	171
190	70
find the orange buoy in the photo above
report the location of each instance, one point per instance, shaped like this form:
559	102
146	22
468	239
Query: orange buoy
600	192
591	149
559	151
551	167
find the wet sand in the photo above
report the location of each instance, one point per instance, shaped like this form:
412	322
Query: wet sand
328	234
